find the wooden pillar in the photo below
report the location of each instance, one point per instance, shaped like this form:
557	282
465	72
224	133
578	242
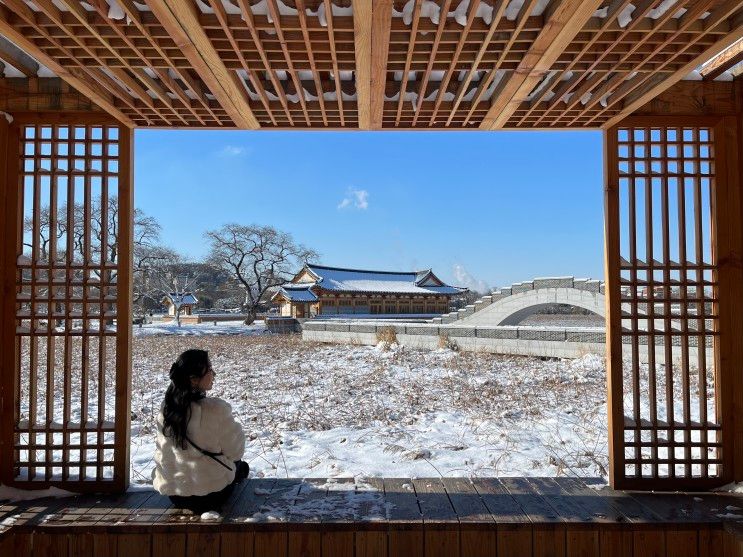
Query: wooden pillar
9	213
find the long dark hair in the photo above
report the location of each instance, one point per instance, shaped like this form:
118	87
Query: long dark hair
180	393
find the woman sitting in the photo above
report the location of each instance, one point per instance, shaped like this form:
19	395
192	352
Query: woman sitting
199	442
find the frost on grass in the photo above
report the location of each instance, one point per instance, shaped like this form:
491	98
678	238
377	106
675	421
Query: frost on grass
314	410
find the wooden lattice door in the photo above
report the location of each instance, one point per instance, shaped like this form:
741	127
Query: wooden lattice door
668	309
66	344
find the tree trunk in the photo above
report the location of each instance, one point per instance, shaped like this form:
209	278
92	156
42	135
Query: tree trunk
250	318
178	315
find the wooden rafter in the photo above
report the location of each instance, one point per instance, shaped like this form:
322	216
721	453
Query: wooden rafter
182	23
563	24
79	80
336	71
302	11
434	50
717	71
249	22
362	24
11	54
408	59
653	88
658	82
381	21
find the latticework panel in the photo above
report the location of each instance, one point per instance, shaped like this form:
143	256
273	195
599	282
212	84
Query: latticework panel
70	402
131	60
668	295
619	54
445	63
296	61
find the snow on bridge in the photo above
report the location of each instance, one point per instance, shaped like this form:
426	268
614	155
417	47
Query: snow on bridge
511	305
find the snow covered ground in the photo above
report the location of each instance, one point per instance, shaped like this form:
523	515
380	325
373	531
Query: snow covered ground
201	329
313	410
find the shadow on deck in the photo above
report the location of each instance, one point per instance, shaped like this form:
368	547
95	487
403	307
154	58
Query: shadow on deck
453	517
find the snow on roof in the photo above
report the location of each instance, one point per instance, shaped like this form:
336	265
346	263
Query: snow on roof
294	294
185	298
357	280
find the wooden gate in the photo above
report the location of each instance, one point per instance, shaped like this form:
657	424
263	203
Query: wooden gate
671	199
66	346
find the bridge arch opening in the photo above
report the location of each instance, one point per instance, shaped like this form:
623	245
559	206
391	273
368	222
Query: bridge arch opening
546	314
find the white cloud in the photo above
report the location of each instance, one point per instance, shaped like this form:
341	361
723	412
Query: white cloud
463	278
355	199
232	151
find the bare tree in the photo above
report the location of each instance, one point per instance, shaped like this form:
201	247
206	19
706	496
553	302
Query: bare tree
257	257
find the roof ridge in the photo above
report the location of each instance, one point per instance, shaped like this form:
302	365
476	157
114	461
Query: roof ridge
328	267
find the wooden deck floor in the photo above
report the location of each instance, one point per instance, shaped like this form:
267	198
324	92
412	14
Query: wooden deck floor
494	517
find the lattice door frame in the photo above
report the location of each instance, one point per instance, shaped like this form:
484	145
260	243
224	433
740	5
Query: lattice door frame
654	298
96	149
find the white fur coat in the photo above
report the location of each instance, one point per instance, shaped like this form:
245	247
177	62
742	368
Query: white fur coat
189	472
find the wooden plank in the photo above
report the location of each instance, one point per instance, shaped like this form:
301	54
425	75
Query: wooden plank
533	502
168	544
202	543
181	21
237	544
649	543
563	24
503	506
337	544
303	520
440	521
404	518
616	543
133	545
370	514
682	542
362	27
381	21
710	541
550	540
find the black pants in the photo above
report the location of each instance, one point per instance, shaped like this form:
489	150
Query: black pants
212	501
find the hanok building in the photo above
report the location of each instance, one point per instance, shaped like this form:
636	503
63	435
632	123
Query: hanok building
319	290
187	302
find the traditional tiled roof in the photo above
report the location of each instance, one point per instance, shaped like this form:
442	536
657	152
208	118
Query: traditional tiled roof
296	294
356	280
186	298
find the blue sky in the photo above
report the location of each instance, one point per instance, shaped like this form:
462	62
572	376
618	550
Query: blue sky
492	208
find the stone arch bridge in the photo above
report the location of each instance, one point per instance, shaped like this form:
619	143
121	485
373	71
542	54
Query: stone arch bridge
509	306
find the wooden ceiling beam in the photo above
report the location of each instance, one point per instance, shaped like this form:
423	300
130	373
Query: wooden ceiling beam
362	25
276	16
181	21
76	78
563	24
11	54
655	87
381	22
221	13
330	19
301	10
408	59
657	82
723	67
249	23
434	49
